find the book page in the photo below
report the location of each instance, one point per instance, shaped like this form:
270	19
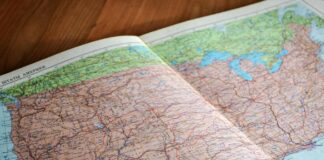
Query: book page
111	99
262	67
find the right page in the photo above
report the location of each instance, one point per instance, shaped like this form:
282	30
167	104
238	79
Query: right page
262	67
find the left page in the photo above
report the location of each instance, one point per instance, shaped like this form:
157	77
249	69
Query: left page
111	99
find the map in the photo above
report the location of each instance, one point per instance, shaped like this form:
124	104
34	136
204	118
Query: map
246	84
265	73
121	104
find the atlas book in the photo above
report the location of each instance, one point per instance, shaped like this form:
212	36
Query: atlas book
246	84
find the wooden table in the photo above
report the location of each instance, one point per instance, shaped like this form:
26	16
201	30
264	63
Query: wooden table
31	30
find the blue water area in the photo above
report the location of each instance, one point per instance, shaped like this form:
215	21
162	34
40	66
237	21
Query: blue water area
6	145
142	51
298	9
282	53
315	153
254	57
138	49
282	11
99	125
321	53
235	65
199	50
276	66
212	56
221	27
303	11
317	35
174	62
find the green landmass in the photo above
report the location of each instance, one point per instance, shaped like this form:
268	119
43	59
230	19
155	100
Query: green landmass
88	68
262	33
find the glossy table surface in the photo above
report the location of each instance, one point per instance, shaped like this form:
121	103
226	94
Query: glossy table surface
32	30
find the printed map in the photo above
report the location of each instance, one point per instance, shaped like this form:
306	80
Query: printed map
121	104
265	73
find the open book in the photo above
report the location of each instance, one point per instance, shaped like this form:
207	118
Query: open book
243	84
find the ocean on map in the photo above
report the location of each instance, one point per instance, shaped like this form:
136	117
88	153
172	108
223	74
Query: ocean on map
6	145
315	153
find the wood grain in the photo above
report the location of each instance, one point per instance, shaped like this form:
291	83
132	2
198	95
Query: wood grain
35	29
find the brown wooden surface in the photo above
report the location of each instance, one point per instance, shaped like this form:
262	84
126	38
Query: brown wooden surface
31	30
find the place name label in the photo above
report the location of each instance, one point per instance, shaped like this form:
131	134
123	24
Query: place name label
22	75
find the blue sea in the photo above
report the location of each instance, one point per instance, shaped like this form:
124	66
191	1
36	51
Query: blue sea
6	145
315	153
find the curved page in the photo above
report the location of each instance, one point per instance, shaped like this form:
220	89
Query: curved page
111	99
262	67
